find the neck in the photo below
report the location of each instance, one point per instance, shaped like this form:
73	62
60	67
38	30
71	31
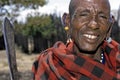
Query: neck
93	54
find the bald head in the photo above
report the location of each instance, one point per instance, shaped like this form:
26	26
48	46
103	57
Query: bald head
81	3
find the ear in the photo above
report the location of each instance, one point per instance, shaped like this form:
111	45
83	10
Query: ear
66	23
111	22
65	19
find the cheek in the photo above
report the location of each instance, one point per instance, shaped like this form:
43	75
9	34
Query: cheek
104	28
74	34
76	23
75	30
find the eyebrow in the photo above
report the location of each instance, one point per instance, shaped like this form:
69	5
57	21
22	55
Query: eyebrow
85	10
101	12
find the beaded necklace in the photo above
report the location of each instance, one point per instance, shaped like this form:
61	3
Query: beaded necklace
102	60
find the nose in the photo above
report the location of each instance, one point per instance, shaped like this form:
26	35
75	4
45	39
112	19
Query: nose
93	24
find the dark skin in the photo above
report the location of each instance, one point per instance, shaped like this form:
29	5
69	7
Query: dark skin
89	24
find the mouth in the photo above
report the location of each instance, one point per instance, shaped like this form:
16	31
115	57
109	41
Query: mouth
90	36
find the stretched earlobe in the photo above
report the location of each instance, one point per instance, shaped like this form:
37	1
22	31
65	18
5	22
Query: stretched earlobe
112	19
65	19
66	23
108	38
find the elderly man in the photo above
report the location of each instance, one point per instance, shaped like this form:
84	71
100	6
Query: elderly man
89	54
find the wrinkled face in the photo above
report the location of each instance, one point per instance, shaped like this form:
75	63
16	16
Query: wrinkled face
90	23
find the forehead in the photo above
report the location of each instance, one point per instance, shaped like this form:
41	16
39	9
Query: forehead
99	5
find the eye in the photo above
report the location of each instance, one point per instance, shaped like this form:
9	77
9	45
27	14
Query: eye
84	14
102	16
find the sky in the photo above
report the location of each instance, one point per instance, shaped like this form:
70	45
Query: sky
60	6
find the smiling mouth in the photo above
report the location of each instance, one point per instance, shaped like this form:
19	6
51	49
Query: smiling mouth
90	36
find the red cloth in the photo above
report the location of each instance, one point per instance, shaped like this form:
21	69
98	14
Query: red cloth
60	63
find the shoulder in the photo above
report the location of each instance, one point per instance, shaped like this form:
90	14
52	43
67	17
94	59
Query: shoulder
116	49
116	45
44	55
113	45
59	45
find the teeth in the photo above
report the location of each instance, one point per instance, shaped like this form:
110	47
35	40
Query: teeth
90	36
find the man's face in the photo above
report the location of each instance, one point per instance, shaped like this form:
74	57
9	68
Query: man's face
89	23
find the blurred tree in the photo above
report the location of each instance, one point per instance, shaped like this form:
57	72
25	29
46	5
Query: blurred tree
47	28
12	8
116	27
39	24
118	20
0	29
25	3
118	17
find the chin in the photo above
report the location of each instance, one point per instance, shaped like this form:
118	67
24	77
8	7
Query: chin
88	48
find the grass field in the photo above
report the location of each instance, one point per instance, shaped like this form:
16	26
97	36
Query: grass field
24	65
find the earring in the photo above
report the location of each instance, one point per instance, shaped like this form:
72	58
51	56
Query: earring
69	39
68	34
66	28
109	39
